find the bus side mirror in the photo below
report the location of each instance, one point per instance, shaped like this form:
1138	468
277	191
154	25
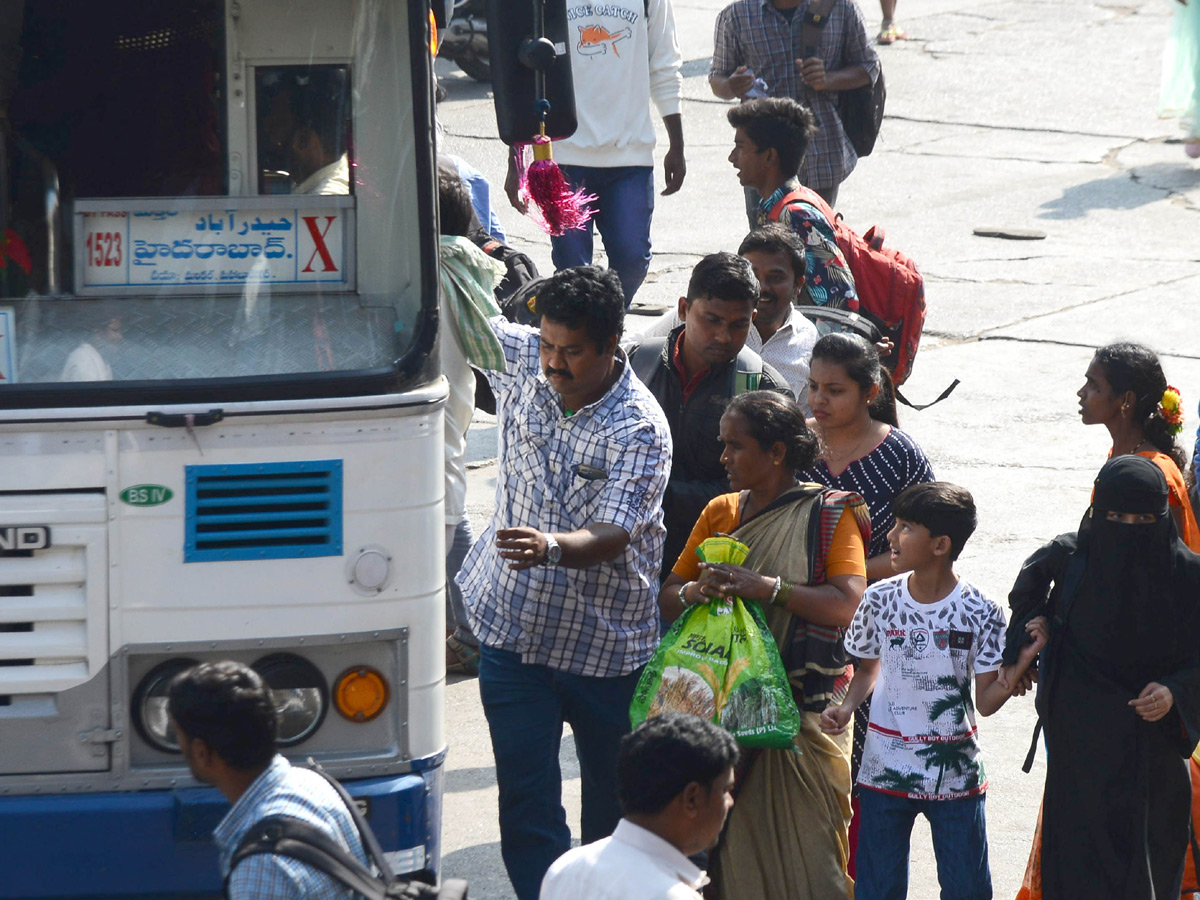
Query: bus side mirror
518	53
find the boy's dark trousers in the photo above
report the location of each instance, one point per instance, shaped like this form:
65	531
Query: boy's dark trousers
959	843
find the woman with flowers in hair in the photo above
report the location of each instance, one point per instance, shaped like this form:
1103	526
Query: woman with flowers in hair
1125	391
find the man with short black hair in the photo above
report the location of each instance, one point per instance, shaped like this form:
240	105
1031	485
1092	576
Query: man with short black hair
693	373
561	588
675	782
783	336
770	138
224	719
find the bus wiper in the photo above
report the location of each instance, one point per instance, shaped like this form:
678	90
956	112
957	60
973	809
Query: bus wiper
186	420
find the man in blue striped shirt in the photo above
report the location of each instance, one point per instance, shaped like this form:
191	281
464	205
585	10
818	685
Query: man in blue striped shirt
224	720
562	587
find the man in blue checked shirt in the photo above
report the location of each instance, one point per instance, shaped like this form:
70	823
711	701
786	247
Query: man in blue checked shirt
225	723
560	589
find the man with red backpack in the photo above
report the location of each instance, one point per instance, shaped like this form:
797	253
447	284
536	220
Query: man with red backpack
845	270
770	139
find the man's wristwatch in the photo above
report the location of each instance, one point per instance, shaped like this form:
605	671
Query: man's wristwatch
553	551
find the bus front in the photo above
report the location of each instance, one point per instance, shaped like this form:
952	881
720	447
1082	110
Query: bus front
220	418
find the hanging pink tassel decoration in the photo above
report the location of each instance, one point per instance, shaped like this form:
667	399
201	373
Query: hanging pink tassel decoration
554	205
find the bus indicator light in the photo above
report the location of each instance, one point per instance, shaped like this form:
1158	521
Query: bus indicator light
360	694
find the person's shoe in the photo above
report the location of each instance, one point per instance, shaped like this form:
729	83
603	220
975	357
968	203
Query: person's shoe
461	659
890	32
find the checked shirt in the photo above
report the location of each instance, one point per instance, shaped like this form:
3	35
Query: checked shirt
283	790
607	463
754	33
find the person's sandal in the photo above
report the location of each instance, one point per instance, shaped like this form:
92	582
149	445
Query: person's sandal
890	32
461	658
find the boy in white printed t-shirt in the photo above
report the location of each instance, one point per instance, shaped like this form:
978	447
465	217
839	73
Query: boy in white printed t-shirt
923	635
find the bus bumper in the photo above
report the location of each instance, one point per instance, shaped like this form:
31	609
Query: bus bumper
159	843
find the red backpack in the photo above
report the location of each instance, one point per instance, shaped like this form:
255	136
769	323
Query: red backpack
891	291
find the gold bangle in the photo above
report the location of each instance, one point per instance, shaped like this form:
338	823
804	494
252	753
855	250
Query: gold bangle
780	597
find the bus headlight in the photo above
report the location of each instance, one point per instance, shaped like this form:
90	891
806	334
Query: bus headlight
360	694
150	716
300	694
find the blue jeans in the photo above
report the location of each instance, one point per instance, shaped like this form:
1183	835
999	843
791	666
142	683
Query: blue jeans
456	611
959	843
526	706
624	205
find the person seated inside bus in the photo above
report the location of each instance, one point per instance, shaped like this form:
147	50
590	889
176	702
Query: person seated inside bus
304	130
89	361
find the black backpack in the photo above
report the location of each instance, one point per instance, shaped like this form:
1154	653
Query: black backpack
860	108
294	838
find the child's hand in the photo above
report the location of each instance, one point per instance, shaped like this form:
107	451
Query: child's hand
835	719
1019	687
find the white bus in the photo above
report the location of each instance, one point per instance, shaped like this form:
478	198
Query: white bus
220	418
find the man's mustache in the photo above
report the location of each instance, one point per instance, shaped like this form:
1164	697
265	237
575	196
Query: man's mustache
561	373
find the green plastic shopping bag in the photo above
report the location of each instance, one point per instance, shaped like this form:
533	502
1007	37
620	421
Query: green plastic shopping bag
719	661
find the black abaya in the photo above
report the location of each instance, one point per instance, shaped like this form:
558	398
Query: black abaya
1124	611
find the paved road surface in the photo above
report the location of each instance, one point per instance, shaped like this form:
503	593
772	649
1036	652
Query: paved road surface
1012	113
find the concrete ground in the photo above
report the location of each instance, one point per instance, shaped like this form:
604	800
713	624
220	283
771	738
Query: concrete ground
1029	114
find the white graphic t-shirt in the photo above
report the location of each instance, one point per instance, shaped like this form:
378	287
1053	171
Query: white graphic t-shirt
921	740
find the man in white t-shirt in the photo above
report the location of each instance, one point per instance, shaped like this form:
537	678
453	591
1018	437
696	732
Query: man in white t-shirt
624	56
921	637
675	784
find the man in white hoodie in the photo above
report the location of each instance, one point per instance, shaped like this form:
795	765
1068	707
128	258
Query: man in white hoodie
624	55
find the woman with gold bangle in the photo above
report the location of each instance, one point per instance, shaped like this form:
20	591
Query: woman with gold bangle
787	835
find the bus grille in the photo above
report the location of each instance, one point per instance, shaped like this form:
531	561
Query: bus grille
53	601
264	511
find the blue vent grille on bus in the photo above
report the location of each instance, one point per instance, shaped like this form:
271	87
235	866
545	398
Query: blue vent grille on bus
264	511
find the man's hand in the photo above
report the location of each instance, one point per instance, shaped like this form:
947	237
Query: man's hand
674	169
812	72
522	548
512	185
740	80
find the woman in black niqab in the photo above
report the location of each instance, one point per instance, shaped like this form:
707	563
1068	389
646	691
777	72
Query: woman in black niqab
1119	691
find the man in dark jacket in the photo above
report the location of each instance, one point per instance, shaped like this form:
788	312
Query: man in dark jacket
693	373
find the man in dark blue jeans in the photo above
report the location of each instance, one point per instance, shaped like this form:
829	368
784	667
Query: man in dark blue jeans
561	588
624	57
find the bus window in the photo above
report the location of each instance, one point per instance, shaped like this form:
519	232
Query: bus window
208	189
303	129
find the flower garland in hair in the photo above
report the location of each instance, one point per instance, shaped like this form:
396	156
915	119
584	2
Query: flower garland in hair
1170	407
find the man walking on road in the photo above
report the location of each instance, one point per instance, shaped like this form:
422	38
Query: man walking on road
224	719
561	588
759	52
624	55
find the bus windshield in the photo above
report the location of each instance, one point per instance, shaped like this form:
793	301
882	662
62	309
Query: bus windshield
209	191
